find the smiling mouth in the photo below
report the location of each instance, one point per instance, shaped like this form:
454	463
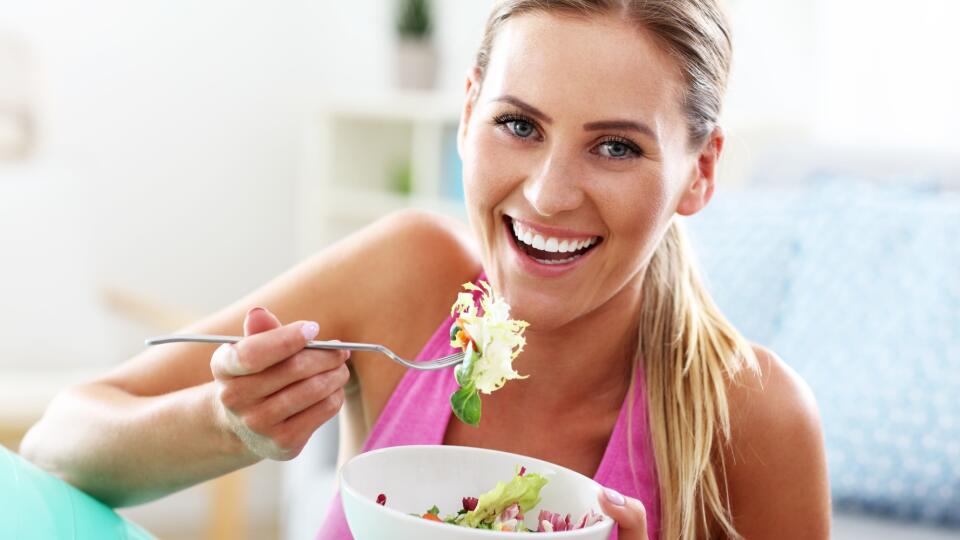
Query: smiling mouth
547	249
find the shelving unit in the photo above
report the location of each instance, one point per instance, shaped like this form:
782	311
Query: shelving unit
367	156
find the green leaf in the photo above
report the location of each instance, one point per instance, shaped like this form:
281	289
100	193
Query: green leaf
453	332
414	18
465	403
434	510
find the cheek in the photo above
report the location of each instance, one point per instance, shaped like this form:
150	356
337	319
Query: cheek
636	212
488	177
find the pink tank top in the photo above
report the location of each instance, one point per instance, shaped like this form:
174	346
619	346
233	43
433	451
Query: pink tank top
419	410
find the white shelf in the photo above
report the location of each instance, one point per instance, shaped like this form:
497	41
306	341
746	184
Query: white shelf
354	150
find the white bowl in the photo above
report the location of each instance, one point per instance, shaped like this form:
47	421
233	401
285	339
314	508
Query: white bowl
414	478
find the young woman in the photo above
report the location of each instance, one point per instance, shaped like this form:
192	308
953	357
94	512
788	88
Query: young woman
589	128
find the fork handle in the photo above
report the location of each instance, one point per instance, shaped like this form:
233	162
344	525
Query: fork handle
208	338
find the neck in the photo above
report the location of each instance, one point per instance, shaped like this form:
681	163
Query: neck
587	360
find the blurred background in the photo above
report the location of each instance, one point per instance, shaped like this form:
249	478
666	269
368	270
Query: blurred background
159	160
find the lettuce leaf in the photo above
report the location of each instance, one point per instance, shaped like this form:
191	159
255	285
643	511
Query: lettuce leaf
523	490
465	403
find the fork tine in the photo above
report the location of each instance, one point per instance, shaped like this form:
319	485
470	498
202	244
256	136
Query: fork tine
442	362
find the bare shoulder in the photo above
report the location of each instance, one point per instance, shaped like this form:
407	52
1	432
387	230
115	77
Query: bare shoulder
409	266
774	396
775	465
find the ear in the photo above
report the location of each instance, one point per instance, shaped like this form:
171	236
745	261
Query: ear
699	189
471	93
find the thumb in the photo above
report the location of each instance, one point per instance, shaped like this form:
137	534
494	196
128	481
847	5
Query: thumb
259	320
629	513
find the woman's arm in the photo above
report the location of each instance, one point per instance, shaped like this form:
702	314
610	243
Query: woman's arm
158	422
776	465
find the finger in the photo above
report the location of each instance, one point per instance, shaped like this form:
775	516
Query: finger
239	392
258	352
295	398
259	320
225	363
296	430
629	513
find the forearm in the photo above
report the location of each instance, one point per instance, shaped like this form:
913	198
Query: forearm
125	449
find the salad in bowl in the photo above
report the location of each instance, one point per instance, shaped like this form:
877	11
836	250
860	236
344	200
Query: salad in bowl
437	492
503	508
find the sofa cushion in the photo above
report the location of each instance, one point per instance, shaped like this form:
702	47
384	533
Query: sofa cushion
866	307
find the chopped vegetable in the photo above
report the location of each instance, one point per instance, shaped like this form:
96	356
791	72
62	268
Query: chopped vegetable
523	491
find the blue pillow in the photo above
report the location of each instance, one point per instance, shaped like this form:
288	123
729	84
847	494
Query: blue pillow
872	323
747	244
857	287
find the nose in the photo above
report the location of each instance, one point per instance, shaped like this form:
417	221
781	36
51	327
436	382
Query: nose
555	187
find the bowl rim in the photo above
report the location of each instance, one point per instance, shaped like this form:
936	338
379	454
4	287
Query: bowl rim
345	487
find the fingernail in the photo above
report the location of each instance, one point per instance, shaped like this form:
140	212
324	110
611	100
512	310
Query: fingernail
615	498
310	330
344	352
257	308
230	360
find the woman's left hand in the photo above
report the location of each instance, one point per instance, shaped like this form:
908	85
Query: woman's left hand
630	515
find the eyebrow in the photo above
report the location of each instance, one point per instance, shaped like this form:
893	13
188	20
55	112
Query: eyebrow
517	102
621	124
639	127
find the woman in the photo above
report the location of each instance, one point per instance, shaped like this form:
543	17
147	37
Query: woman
588	127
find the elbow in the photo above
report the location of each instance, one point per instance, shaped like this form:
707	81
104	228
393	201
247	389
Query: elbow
32	446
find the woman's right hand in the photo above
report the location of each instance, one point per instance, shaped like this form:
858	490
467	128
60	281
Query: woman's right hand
270	391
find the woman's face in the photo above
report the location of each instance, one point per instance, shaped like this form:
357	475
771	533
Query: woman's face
576	144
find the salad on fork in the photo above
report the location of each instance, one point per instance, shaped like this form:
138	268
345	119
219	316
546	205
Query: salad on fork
490	340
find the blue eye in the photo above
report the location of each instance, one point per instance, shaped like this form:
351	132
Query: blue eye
517	125
520	128
617	149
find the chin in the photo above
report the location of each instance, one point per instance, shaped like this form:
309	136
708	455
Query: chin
543	311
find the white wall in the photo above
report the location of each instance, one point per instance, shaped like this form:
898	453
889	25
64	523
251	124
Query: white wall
174	131
866	77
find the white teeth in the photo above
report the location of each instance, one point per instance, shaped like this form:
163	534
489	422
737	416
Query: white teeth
538	242
549	243
560	261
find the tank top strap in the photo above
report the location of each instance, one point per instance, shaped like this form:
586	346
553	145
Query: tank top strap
628	464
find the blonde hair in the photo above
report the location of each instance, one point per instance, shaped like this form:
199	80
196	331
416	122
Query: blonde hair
689	350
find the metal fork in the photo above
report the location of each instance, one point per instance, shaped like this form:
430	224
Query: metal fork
438	363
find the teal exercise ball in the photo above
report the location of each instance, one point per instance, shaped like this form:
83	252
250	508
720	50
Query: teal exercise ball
35	505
